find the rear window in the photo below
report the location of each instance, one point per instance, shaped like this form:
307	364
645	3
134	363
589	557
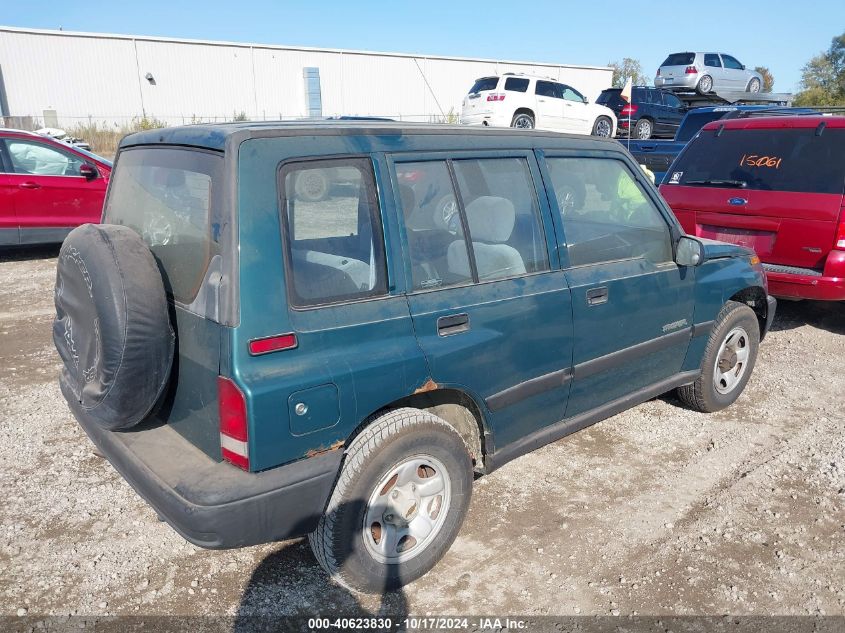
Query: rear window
610	97
768	160
679	59
516	84
167	196
485	83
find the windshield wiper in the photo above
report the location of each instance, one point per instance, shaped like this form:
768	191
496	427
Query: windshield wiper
739	184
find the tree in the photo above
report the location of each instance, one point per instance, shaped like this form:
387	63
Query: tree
628	68
768	78
823	77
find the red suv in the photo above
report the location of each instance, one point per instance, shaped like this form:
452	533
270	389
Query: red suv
774	184
47	188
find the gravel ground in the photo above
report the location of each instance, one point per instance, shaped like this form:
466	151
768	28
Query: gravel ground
657	511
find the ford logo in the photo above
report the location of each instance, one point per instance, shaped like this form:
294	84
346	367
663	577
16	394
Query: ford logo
737	201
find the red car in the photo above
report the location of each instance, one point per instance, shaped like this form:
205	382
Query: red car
774	184
47	188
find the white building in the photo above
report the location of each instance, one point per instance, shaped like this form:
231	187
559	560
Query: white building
60	78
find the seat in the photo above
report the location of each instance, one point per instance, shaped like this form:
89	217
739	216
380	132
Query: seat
491	221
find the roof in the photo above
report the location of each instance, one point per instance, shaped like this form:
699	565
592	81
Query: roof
778	122
152	38
215	136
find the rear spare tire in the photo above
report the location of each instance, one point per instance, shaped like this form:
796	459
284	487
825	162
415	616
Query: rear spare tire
112	328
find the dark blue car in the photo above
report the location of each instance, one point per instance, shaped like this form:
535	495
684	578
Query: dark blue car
261	360
652	112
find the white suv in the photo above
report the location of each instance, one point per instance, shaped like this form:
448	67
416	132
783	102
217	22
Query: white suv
529	101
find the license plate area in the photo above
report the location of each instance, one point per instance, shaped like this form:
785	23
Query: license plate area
762	242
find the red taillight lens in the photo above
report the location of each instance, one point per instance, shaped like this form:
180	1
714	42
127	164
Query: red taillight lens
272	344
839	243
691	70
233	423
496	96
629	110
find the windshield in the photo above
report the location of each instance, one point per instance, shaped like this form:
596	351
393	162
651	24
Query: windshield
767	160
485	83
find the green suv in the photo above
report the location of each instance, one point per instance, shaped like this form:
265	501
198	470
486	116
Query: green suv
331	328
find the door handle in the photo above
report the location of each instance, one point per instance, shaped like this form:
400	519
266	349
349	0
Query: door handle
29	185
452	324
597	296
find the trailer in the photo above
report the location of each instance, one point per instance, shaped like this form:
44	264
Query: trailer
693	99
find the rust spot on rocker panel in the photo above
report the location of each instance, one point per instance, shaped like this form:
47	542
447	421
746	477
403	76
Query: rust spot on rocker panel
320	451
429	385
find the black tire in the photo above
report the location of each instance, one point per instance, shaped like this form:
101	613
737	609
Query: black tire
603	127
523	121
705	85
112	328
753	85
338	542
704	395
644	129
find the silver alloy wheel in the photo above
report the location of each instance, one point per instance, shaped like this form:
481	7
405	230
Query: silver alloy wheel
754	85
407	509
523	121
706	84
643	129
732	360
603	128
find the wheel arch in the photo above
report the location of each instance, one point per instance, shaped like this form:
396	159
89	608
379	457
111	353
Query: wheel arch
755	298
527	111
454	406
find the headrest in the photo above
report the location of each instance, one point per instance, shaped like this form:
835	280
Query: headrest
409	200
490	219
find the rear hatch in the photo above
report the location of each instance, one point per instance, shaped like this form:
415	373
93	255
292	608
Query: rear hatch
675	66
778	191
172	198
476	101
612	98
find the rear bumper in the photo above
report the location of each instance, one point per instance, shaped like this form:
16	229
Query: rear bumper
494	119
214	504
806	287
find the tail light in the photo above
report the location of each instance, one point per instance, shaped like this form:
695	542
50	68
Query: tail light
691	70
629	110
839	243
233	423
496	96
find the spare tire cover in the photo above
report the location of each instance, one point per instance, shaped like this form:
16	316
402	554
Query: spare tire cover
112	328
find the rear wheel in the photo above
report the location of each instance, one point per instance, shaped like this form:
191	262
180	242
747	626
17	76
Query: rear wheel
644	129
602	127
523	120
398	504
728	360
705	85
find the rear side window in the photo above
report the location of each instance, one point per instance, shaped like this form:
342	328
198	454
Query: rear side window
334	243
516	84
168	196
606	214
679	59
485	83
548	89
769	160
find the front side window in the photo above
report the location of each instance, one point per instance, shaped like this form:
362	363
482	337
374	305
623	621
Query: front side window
712	60
548	89
606	215
516	84
167	196
731	62
671	100
40	159
335	248
570	94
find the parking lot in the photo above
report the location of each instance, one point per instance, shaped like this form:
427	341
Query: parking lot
658	510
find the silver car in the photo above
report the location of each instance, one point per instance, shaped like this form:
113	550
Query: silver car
706	72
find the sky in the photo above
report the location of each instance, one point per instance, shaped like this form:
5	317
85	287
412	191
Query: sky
782	35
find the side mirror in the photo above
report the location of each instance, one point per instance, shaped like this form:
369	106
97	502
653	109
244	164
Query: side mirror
584	99
690	251
89	172
743	66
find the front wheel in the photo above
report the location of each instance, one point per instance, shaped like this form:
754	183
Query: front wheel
398	504
754	85
603	127
728	360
